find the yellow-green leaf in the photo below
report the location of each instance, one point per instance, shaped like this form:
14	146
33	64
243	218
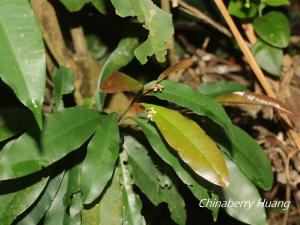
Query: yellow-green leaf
191	143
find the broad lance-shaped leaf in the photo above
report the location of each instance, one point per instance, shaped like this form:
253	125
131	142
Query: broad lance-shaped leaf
120	57
102	154
158	22
213	89
157	186
186	96
110	208
164	152
131	201
119	82
194	147
22	54
13	121
15	203
242	190
253	98
44	203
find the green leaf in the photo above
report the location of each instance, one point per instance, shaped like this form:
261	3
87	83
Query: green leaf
120	82
238	9
185	96
67	130
63	80
15	203
274	29
44	203
158	22
76	5
275	2
120	57
102	154
156	185
13	121
20	157
164	152
132	203
268	57
192	144
213	89
239	190
100	5
247	155
23	64
109	210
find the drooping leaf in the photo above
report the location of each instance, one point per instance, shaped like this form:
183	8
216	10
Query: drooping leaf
238	9
13	121
246	154
21	157
183	64
157	186
164	152
15	203
158	22
67	130
119	82
63	80
268	57
22	54
120	57
275	2
102	154
242	190
44	203
110	208
185	96
192	144
274	29
214	89
132	203
253	98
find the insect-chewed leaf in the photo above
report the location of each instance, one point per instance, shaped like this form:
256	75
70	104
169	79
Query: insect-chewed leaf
253	98
118	82
178	66
192	144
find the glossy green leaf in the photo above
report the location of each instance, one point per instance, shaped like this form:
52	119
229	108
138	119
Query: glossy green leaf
132	203
186	96
21	157
247	155
274	29
15	203
241	190
157	186
164	152
192	144
22	54
13	121
268	57
67	130
239	9
120	57
213	89
44	203
275	2
110	208
120	82
102	154
158	22
63	80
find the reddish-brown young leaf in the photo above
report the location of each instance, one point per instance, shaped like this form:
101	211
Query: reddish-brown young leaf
179	66
253	98
119	82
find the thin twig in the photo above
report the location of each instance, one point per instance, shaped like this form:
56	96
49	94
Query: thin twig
197	13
